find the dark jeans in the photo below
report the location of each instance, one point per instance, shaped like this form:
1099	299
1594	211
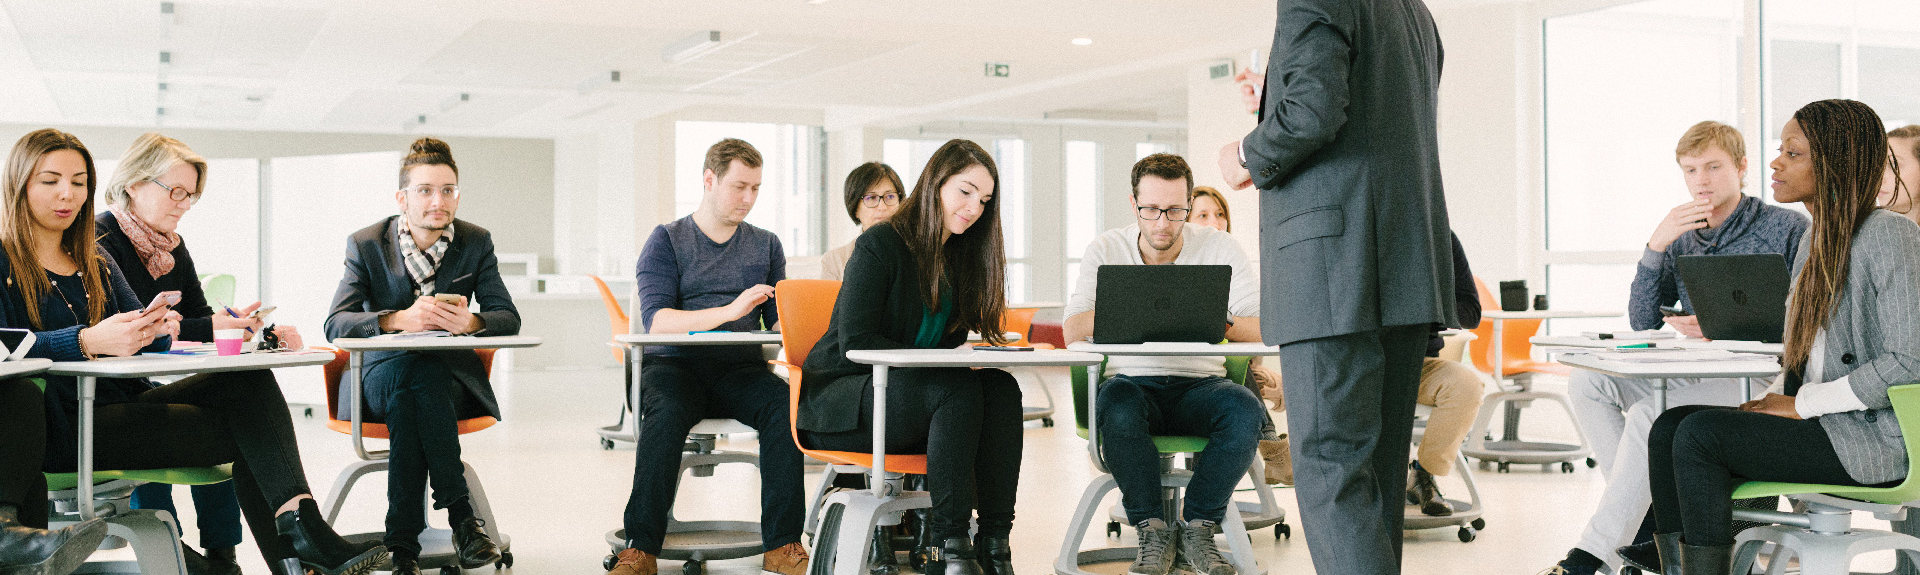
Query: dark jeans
216	510
420	401
1134	409
23	440
1697	454
677	393
204	420
967	422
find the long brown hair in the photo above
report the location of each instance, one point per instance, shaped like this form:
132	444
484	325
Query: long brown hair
976	261
16	234
1849	156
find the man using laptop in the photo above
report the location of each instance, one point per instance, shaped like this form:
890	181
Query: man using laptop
1172	395
1716	219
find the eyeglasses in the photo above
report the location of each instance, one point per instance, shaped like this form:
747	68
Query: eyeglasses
1151	213
178	192
425	191
874	200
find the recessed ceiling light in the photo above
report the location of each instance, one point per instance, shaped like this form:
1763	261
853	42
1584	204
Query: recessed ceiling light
1083	41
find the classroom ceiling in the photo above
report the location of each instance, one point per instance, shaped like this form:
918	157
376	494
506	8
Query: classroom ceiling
540	68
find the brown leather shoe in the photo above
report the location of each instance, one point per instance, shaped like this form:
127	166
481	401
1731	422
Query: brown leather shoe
635	562
789	559
1279	461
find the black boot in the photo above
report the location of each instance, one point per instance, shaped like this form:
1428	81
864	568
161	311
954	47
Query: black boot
406	563
476	548
996	555
880	555
952	557
29	551
1662	555
223	561
1704	560
322	550
1422	491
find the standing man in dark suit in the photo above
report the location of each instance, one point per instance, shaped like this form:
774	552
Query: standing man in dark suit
1355	256
394	269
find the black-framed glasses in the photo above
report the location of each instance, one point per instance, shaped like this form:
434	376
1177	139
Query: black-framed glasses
1151	213
875	200
424	191
177	192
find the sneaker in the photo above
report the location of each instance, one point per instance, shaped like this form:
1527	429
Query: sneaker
1278	459
1422	491
1197	549
632	561
1577	562
789	559
1157	548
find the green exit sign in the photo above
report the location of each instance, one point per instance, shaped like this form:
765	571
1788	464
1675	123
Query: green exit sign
999	69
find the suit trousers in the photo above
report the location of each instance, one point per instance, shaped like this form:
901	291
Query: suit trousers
420	401
1350	414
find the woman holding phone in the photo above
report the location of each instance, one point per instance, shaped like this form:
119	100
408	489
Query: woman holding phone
158	180
79	305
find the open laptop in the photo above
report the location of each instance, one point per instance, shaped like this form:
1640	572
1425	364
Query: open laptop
1163	303
1738	297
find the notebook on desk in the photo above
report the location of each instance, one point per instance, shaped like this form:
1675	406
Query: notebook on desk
1164	303
1738	297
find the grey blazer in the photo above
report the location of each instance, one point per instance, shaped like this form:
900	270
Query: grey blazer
1873	338
1353	225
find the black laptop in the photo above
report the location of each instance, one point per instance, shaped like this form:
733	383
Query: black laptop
1738	297
1164	303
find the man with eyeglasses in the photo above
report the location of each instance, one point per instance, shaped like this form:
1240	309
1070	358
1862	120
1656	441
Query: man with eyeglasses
1173	395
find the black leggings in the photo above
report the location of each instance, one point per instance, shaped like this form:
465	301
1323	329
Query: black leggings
234	417
1697	454
967	421
23	441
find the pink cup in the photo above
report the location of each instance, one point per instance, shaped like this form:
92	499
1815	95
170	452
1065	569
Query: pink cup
227	341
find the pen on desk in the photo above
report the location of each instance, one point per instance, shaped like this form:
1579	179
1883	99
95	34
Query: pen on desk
709	331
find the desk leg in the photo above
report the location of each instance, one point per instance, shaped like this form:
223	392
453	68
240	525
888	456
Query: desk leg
1746	389
1499	344
878	481
85	487
1659	397
351	379
634	353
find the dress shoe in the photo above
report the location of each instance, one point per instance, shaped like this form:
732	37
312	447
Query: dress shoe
953	557
406	564
476	548
320	549
996	555
632	561
222	561
789	559
29	551
1422	491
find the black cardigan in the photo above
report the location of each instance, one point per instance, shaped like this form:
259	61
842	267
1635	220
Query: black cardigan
197	313
880	307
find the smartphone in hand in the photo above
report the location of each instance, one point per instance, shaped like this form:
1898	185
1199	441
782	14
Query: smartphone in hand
1671	311
163	299
451	299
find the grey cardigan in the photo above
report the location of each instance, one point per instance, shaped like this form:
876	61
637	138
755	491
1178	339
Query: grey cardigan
1873	337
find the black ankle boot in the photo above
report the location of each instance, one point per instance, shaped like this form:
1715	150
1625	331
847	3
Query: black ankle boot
223	561
406	563
35	551
322	550
996	555
1656	557
1704	560
476	548
953	557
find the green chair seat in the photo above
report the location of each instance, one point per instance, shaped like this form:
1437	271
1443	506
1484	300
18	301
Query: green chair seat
1171	443
1167	444
1906	407
170	476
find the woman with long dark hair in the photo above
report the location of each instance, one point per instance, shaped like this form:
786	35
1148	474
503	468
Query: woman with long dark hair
1851	334
923	279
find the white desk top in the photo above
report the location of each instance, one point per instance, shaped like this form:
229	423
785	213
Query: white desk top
1546	314
1036	305
1744	368
1175	349
24	367
710	338
426	343
1678	343
970	358
155	364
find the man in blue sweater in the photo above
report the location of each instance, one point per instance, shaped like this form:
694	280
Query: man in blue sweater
1716	219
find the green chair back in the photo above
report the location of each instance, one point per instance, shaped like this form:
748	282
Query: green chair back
219	288
1906	407
1237	367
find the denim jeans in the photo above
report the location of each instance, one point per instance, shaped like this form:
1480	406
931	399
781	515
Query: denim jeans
1131	410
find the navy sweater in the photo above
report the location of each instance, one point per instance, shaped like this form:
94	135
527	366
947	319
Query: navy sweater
1752	228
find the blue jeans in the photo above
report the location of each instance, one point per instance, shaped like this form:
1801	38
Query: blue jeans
216	509
1134	409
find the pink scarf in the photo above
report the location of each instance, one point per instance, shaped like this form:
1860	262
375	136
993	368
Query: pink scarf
154	248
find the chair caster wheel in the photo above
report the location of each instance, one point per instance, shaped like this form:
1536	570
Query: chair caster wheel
1566	467
308	412
1283	530
506	561
607	564
1505	467
1113	529
1479	524
606	444
693	568
1592	463
1046	422
1467	535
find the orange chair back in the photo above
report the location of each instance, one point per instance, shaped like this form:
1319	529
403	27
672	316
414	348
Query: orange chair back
333	371
1019	320
616	315
806	310
1517	348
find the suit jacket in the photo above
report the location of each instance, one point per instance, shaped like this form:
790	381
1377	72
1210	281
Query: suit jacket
377	284
1353	225
1873	338
880	307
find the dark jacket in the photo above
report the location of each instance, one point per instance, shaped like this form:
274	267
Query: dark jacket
880	307
58	339
377	284
196	311
1466	297
1353	224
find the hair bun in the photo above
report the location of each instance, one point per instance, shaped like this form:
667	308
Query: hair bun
431	147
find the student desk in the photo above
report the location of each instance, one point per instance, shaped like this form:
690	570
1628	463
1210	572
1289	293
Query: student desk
1735	346
1499	318
635	345
1510	448
1659	373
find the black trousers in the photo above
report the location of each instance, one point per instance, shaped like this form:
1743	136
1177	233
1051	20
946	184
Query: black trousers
968	423
1697	454
23	448
1350	416
421	402
677	393
233	417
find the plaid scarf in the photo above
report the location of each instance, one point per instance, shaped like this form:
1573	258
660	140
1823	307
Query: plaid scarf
422	265
154	248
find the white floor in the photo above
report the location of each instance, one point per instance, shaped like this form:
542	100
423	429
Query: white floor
556	492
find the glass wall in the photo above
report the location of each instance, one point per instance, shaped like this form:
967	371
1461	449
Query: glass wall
792	194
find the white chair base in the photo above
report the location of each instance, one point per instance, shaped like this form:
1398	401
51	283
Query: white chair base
847	523
153	535
1820	534
436	545
1510	449
1466	514
697	542
1071	559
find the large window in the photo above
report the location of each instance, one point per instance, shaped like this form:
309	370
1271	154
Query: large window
1866	50
1083	204
791	190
